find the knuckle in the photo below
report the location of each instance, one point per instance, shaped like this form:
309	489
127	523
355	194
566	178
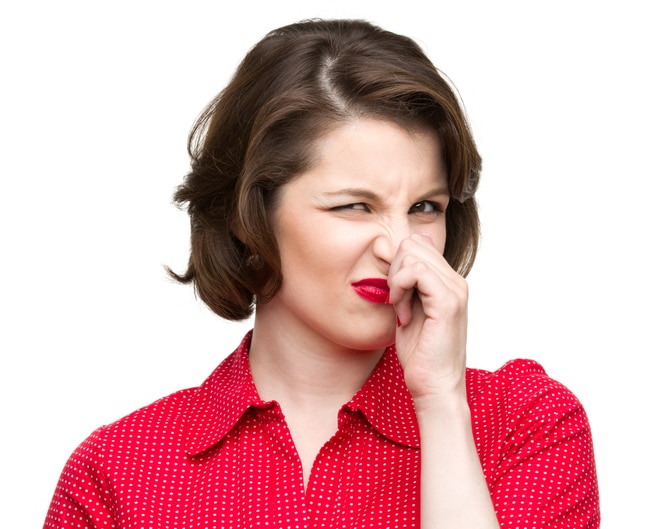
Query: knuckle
420	267
406	245
409	260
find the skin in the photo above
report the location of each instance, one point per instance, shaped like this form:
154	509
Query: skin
372	206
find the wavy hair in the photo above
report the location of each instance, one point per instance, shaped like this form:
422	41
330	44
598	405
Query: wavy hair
296	84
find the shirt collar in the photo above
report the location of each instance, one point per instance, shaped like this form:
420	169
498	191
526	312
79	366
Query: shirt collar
222	399
386	402
220	402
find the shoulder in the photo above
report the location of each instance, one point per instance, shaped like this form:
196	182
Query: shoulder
520	403
519	382
168	423
519	368
530	429
147	428
117	451
149	445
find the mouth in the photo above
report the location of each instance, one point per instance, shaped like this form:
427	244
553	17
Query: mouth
374	289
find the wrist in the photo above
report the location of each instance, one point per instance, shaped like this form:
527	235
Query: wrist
443	403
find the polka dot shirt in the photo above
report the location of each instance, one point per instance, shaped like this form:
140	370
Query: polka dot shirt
218	456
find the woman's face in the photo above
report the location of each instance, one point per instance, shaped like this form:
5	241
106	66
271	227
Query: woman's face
339	224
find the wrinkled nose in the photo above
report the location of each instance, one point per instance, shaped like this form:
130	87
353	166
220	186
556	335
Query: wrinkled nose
390	234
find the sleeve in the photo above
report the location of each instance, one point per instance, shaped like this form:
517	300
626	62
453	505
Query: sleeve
543	472
82	498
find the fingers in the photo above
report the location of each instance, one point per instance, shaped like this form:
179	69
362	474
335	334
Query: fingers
420	274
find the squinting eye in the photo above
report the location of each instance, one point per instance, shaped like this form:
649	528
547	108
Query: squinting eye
426	206
358	206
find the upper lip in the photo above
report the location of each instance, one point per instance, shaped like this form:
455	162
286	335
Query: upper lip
374	289
376	282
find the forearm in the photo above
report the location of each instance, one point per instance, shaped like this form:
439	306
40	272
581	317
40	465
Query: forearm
454	493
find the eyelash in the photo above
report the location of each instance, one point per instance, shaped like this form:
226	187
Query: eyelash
351	206
436	207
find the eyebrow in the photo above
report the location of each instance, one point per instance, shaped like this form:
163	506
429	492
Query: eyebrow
354	192
370	195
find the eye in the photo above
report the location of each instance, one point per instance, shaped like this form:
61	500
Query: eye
357	206
426	207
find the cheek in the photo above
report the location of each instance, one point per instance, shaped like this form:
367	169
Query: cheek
331	252
437	234
442	235
441	242
311	248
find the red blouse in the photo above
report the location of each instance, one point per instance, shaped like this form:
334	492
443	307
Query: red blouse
218	456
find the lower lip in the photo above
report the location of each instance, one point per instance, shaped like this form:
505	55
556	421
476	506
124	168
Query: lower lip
372	293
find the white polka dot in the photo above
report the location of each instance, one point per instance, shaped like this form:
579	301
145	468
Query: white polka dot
218	456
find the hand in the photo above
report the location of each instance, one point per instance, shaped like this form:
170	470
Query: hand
431	303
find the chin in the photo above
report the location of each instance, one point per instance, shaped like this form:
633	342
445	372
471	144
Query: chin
361	332
372	341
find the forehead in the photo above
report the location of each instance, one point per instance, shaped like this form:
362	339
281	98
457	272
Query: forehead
377	152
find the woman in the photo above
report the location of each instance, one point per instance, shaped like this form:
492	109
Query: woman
332	191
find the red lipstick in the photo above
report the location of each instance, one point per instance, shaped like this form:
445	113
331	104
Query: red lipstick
372	289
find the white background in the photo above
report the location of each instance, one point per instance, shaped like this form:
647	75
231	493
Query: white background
96	104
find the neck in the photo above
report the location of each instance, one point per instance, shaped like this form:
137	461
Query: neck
303	370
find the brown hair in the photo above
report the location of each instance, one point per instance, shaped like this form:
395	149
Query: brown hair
296	84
